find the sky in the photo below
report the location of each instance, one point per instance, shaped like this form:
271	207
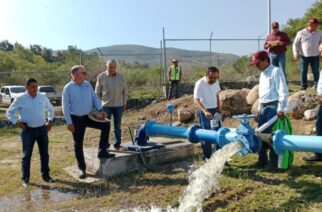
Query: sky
88	24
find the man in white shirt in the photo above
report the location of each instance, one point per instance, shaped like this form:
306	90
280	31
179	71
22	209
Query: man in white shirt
206	99
273	93
306	48
31	107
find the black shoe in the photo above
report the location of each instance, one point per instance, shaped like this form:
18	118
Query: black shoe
82	174
25	183
260	165
312	158
48	179
105	155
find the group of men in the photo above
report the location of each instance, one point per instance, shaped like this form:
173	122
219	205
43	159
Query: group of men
78	101
110	97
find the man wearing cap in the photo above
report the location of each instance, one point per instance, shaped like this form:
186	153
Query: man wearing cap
273	93
206	98
306	48
277	43
174	76
112	90
31	107
78	101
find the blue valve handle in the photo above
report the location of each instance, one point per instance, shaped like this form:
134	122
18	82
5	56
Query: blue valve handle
244	116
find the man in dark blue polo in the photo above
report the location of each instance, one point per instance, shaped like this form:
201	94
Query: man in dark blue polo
31	107
78	100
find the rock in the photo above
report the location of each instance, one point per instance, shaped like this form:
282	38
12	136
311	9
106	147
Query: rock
252	95
253	78
310	77
177	123
254	109
302	101
245	92
310	114
308	129
233	102
184	115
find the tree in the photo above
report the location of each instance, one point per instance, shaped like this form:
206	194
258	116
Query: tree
6	46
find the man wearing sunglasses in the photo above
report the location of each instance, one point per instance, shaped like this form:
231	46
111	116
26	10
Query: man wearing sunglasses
78	101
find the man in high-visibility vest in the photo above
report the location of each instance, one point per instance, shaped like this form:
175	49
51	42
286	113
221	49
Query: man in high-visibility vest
174	76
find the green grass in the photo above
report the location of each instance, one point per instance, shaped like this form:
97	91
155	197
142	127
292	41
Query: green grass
243	188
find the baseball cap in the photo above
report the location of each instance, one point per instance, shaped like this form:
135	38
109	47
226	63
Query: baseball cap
174	60
258	56
275	25
314	21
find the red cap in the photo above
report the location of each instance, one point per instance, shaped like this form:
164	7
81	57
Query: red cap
314	21
258	56
275	25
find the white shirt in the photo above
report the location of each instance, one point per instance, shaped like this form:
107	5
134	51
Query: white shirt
272	87
31	110
206	93
319	88
307	43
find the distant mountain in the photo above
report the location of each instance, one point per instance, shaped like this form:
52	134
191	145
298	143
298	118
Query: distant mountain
151	56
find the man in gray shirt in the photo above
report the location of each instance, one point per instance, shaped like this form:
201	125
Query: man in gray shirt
112	90
306	48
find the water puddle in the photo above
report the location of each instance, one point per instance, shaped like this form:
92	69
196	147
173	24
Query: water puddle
34	198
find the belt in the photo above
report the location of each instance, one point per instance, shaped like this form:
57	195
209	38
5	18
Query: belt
84	116
269	103
35	127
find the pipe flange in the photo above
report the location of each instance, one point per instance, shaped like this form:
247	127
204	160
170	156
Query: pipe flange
221	136
245	149
191	134
277	139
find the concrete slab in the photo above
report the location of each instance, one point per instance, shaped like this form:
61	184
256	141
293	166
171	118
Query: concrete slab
127	161
73	171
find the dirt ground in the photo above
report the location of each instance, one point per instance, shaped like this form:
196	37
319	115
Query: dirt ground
243	188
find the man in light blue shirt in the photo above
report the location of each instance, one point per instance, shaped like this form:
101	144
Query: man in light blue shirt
78	101
31	107
273	93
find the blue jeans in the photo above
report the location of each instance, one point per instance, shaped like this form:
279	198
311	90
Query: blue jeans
116	112
319	127
315	64
81	123
28	138
174	88
205	124
266	113
278	60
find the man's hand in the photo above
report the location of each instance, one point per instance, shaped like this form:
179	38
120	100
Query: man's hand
296	57
280	114
208	115
48	126
71	128
21	125
124	107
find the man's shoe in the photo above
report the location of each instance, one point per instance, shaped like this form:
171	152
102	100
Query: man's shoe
105	155
25	183
82	174
48	179
120	148
313	158
260	165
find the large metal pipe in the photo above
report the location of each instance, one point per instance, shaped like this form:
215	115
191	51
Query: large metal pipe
282	142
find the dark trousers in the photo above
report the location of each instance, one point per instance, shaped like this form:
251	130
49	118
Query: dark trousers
205	124
319	127
174	88
266	113
28	138
315	64
117	113
80	123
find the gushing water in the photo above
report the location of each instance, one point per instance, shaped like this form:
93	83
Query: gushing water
204	180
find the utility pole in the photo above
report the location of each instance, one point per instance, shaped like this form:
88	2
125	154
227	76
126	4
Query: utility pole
210	47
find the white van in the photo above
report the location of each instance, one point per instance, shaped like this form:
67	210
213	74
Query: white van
9	93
